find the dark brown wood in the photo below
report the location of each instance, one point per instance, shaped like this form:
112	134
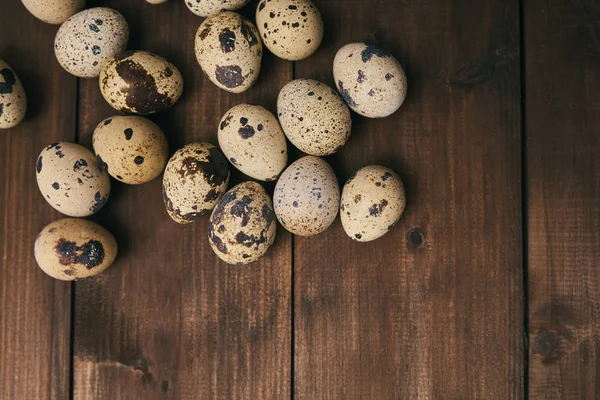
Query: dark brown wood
563	190
168	320
35	310
434	308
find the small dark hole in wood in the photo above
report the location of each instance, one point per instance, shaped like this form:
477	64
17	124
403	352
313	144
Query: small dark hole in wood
415	237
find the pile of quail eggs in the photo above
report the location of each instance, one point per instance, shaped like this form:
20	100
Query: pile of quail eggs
132	149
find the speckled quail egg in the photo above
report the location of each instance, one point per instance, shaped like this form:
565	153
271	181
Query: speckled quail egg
372	203
90	39
307	196
72	248
204	8
291	29
242	226
53	11
195	179
156	1
229	51
13	102
139	82
132	149
71	180
370	80
313	117
252	140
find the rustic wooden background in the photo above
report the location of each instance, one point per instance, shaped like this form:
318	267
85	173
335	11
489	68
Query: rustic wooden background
488	289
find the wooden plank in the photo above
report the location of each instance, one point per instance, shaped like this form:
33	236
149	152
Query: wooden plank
169	320
434	308
563	190
35	310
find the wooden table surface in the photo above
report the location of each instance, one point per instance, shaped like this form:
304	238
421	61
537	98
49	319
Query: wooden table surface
489	288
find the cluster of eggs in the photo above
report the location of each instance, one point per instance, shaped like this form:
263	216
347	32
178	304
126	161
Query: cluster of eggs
315	118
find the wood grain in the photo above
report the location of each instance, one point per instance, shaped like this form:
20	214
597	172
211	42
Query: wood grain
563	191
168	319
434	308
35	310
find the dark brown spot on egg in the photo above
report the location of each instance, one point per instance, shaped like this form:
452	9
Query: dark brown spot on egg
215	169
229	76
376	209
346	95
39	164
248	31
99	202
361	76
55	186
9	79
90	254
241	209
128	133
219	211
79	164
204	33
138	160
246	132
216	240
211	196
227	40
226	121
268	214
141	92
371	51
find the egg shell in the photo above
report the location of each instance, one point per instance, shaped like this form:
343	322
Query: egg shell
71	180
290	29
195	179
313	117
90	39
307	196
252	140
229	51
156	1
204	8
373	201
242	226
13	102
370	80
53	11
139	82
133	149
71	248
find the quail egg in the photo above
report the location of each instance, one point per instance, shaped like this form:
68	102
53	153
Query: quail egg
372	203
72	248
242	226
195	179
307	196
252	140
370	80
139	82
